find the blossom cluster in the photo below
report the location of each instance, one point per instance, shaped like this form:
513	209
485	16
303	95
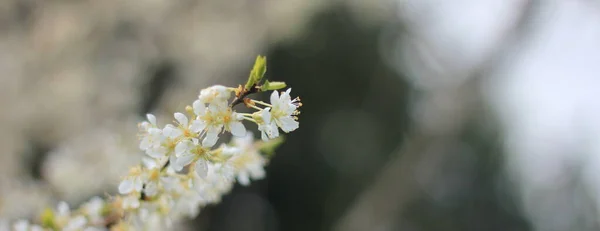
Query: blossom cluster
184	169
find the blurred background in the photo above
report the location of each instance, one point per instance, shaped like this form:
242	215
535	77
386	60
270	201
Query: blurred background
419	115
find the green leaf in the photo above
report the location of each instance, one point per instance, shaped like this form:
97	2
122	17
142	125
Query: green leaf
257	73
271	86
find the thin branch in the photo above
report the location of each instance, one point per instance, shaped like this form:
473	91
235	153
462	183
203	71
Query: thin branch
244	94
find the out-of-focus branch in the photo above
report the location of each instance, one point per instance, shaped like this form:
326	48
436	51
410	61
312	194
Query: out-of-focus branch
395	186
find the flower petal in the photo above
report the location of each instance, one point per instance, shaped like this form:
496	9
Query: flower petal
237	128
151	118
266	115
151	189
171	131
145	143
149	163
138	184
182	147
183	161
274	97
274	130
197	126
243	179
212	135
229	151
181	119
126	186
172	160
287	124
263	136
199	107
156	152
202	168
76	223
131	202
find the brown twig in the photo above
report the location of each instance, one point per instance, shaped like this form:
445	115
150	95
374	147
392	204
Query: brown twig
239	99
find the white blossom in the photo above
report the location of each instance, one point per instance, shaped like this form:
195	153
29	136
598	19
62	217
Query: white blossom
76	223
267	127
188	152
131	202
133	182
216	118
249	163
152	141
217	95
283	110
189	204
154	195
93	209
218	181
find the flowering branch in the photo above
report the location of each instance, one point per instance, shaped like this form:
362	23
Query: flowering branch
184	170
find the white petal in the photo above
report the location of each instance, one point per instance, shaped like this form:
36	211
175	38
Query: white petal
243	179
149	163
126	186
138	184
199	107
145	143
156	152
258	173
151	189
131	202
263	136
274	97
168	130
230	150
181	118
285	96
202	168
182	147
274	130
145	125
172	160
266	115
287	124
63	209
212	135
197	126
183	161
289	109
244	142
154	132
171	131
151	119
237	128
76	223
